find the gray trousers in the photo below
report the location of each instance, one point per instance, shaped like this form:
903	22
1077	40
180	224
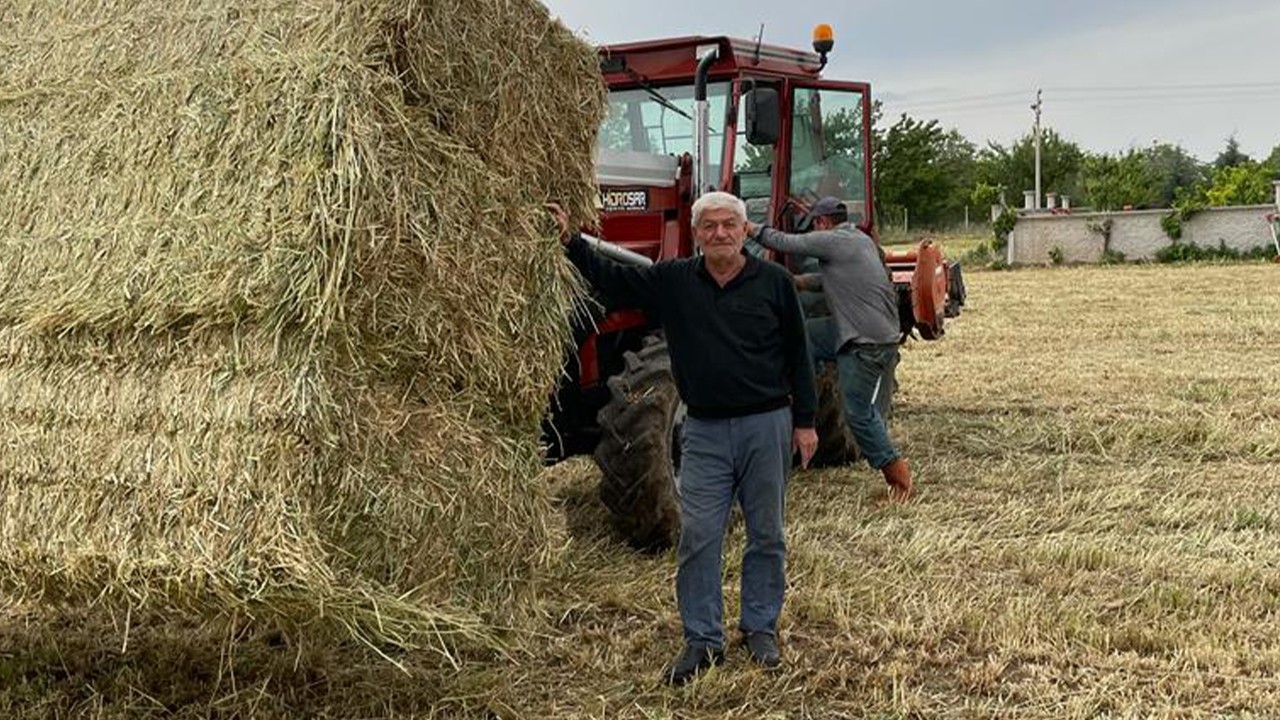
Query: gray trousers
748	458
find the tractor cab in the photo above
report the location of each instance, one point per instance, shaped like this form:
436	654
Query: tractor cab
692	114
777	135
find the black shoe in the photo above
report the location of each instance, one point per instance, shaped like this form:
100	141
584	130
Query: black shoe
764	649
692	661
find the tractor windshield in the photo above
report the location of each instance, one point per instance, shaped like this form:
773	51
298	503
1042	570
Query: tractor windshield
659	121
828	149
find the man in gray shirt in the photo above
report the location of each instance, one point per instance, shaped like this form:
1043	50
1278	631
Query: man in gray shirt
862	333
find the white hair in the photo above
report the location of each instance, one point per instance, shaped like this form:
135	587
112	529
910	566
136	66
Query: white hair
719	201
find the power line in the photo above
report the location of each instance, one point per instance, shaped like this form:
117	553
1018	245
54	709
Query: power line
992	100
1178	87
1164	95
1156	91
969	98
1012	102
1137	102
1234	97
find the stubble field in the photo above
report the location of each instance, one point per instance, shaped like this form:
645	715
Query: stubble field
1097	534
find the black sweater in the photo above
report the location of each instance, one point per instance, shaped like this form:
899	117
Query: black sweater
736	350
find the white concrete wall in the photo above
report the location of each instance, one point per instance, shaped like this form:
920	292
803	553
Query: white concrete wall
1136	233
1034	236
1240	230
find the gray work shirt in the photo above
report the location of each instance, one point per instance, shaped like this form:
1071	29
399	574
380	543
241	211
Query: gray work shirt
857	285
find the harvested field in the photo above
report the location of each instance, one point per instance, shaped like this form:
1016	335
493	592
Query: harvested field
1097	536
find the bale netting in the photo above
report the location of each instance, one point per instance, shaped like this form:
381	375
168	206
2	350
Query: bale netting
279	305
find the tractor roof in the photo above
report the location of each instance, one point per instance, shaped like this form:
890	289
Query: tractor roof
674	59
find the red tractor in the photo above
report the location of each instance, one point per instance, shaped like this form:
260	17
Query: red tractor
687	115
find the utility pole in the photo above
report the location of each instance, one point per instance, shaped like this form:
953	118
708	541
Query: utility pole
1036	107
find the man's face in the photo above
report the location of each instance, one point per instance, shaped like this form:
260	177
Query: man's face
826	222
720	233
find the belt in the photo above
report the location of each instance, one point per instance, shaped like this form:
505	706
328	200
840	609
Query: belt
850	346
725	412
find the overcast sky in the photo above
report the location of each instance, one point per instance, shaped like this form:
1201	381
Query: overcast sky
1115	73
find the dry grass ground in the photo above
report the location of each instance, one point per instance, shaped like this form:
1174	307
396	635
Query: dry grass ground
955	243
1097	535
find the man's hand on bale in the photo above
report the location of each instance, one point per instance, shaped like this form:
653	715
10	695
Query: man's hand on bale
562	221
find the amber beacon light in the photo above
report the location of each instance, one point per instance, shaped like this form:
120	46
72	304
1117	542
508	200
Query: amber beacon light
824	38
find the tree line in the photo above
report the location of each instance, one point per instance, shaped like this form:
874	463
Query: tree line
934	174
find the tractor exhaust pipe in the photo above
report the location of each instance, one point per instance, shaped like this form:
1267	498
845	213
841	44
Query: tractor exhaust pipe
701	123
616	253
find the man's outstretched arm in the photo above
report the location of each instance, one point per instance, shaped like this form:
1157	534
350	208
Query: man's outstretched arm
820	244
622	284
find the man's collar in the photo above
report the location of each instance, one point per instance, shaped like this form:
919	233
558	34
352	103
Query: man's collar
749	270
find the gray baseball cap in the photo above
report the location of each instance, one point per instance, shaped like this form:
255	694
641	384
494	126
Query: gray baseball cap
826	206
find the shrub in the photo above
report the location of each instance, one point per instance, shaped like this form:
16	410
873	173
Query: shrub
978	256
1188	252
1001	228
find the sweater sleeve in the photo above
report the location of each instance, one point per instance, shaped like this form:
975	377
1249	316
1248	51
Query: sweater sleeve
622	284
819	244
799	363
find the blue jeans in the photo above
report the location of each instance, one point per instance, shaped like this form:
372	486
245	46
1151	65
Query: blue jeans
747	458
866	382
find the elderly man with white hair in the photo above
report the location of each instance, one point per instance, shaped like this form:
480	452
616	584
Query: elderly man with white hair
741	362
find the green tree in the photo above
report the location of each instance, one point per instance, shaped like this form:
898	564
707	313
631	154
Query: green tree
925	169
1231	155
1273	162
1014	167
1175	168
1113	182
983	195
1248	183
960	161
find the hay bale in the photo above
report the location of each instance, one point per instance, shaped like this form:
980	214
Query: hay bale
279	310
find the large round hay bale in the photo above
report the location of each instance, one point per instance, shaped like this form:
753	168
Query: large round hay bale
279	311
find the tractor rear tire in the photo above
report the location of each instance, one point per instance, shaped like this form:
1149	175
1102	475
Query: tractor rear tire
836	445
637	453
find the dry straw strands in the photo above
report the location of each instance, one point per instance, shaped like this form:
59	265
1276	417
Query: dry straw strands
278	308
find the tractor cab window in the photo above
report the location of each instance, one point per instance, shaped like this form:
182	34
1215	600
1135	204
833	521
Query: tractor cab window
827	148
659	121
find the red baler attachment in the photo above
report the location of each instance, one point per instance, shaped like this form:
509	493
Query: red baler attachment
936	287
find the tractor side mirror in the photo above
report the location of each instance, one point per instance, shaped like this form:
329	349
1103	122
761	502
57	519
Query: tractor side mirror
763	116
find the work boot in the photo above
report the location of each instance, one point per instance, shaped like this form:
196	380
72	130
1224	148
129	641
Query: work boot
691	663
763	648
898	476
